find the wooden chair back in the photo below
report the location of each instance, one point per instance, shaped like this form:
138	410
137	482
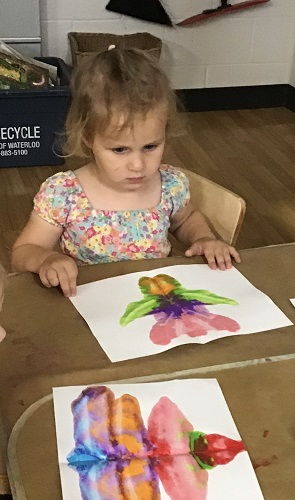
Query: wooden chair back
223	209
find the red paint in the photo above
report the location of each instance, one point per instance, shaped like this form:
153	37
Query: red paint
265	462
266	433
215	449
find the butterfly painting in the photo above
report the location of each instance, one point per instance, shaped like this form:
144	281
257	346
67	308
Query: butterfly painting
177	311
146	313
117	457
163	440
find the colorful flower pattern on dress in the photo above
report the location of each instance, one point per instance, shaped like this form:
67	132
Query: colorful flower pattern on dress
118	458
177	311
93	236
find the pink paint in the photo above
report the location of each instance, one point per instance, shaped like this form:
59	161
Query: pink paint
169	435
182	478
192	325
181	475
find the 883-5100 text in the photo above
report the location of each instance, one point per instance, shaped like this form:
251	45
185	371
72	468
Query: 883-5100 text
15	152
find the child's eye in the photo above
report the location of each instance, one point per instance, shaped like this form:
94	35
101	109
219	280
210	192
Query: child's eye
150	147
120	150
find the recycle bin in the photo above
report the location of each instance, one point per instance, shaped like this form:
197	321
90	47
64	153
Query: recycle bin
31	122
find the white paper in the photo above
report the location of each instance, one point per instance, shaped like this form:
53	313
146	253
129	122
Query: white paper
103	303
201	402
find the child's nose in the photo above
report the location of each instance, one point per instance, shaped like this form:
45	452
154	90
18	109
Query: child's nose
137	162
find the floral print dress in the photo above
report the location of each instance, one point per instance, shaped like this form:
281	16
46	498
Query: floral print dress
93	236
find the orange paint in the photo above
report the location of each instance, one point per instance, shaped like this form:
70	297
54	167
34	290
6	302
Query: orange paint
159	285
130	442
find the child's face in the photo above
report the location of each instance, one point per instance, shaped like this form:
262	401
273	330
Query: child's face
129	158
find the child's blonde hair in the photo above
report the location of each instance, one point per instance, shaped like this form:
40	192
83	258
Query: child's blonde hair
116	83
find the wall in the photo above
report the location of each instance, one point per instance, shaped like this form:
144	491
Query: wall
252	47
20	25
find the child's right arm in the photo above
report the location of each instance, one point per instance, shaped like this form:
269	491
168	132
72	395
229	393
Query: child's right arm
34	251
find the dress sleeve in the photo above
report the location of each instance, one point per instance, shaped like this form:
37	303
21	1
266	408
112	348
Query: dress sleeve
51	202
178	189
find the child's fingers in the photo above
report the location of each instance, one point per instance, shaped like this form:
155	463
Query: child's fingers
195	249
211	258
61	270
227	261
218	254
65	285
67	282
220	258
62	277
235	254
73	286
49	278
53	277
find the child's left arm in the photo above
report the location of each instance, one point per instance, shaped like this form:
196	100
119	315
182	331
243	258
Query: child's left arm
191	229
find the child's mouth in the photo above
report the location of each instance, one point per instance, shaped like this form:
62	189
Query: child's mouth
135	180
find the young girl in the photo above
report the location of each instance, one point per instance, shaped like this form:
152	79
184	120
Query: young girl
122	203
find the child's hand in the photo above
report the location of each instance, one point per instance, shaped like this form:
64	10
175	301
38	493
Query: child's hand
218	254
58	269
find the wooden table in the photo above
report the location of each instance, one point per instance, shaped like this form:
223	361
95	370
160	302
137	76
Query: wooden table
49	344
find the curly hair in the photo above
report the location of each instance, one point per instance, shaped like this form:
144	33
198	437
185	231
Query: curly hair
112	85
